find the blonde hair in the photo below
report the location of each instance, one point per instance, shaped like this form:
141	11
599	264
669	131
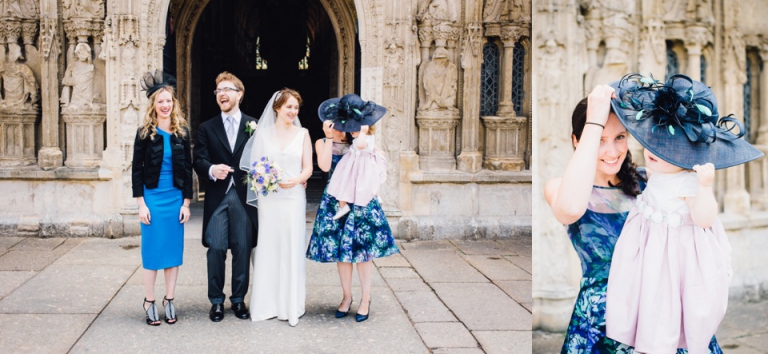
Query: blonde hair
227	76
179	124
371	130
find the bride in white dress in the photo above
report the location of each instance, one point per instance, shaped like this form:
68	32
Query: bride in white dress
279	277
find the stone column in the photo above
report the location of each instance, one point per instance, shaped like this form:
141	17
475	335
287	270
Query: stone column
736	199
509	36
696	37
470	159
50	155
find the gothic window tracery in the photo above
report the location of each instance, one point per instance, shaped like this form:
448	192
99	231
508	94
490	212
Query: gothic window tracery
518	78
489	80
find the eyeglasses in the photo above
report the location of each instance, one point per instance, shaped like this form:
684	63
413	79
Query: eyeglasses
216	92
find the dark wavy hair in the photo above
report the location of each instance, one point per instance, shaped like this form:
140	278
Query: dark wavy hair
628	175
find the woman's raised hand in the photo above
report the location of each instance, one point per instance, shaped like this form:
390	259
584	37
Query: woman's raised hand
328	129
599	104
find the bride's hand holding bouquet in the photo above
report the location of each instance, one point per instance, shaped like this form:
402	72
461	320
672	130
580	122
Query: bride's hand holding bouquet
264	176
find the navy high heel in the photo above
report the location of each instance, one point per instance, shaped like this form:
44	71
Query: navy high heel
361	318
340	314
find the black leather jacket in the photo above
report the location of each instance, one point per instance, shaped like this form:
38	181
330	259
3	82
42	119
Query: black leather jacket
148	159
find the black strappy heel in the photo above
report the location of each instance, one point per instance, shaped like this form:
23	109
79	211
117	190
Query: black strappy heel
153	319
170	310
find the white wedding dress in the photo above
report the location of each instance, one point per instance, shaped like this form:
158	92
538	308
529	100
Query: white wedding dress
279	277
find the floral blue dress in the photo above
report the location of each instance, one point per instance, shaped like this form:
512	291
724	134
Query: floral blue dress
594	236
360	236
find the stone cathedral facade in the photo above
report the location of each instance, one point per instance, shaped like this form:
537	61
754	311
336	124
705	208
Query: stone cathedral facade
456	76
579	44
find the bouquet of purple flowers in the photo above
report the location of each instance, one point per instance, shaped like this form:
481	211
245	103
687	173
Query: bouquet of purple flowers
264	176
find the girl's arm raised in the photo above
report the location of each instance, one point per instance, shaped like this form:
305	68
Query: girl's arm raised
568	196
704	206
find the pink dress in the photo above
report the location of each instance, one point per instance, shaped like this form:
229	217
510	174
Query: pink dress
359	174
668	284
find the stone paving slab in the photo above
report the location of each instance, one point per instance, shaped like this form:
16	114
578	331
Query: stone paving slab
505	341
520	245
446	335
483	307
395	260
15	260
408	284
524	262
9	281
8	242
424	306
497	268
398	273
98	252
520	291
443	266
427	245
67	289
458	351
38	244
483	247
318	330
41	333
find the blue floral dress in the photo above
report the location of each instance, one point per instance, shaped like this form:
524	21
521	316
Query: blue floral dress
594	236
360	236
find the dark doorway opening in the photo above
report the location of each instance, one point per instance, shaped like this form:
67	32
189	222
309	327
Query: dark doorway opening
269	45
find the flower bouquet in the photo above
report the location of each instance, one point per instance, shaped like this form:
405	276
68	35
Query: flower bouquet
264	176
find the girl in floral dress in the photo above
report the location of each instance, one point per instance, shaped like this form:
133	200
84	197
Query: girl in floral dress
361	235
599	188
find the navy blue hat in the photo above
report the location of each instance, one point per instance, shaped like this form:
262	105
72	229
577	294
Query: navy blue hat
350	112
152	82
678	122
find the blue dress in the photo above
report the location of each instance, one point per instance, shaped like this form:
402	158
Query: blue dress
360	236
162	241
594	236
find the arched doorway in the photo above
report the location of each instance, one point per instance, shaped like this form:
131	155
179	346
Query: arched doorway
271	44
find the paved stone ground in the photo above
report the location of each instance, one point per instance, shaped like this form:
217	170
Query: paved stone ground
744	330
84	295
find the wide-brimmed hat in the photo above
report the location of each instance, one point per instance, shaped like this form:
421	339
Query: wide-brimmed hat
350	112
678	121
153	81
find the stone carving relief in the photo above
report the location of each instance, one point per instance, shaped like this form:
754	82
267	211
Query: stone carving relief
20	89
83	8
492	10
439	82
653	48
700	11
78	94
20	8
551	69
616	27
438	11
735	58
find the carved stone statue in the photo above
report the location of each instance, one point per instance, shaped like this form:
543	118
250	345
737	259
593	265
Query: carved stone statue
19	84
83	8
492	10
700	11
438	10
21	8
440	81
78	80
552	69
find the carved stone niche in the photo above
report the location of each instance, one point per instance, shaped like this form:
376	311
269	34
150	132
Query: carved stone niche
504	143
437	139
85	138
17	147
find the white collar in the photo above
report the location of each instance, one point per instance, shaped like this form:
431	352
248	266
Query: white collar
237	116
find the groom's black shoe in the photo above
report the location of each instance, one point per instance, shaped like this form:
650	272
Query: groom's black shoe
241	311
217	312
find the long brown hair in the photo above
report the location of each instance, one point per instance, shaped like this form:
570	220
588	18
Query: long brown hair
628	175
179	124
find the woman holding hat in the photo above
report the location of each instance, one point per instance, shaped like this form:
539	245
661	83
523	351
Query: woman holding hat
363	234
671	269
592	199
162	186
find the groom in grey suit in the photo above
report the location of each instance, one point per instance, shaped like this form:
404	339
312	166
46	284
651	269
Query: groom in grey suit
228	223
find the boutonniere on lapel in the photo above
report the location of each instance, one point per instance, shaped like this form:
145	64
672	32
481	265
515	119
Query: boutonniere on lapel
250	127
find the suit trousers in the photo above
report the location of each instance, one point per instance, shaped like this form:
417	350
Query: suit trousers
229	227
